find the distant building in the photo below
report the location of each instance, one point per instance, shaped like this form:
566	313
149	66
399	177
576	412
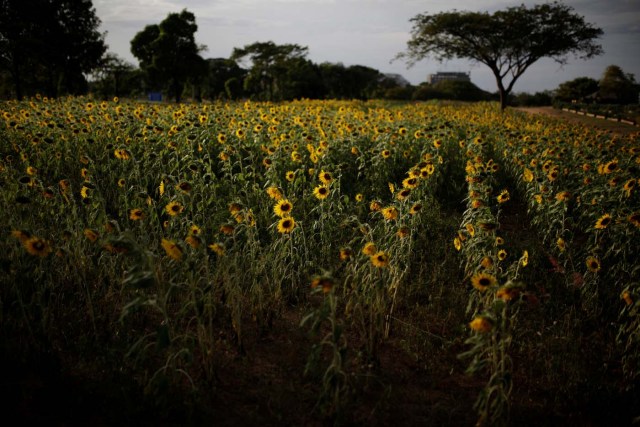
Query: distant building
441	76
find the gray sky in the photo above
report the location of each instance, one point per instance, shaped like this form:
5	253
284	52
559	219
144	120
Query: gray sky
369	32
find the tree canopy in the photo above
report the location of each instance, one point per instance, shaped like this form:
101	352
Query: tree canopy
618	87
168	52
49	45
507	41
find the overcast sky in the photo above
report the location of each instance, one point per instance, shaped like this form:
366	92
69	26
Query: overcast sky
368	32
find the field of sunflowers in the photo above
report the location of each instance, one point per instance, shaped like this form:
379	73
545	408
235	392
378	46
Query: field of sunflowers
315	262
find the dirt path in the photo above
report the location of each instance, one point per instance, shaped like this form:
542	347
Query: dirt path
601	124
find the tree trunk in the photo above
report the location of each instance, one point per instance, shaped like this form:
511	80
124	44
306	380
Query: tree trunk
503	98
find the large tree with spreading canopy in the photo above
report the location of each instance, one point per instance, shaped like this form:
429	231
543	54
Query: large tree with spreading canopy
507	41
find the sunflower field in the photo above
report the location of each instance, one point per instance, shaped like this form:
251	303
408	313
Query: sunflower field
314	262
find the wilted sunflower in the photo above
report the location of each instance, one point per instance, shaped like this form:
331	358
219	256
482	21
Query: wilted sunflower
603	222
482	281
626	297
218	248
174	208
375	206
283	208
136	214
487	226
593	264
380	259
37	246
172	249
286	225
507	292
321	192
91	235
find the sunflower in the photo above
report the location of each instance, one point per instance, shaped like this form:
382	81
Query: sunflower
499	241
457	243
161	188
487	263
324	283
274	193
218	248
628	186
286	225
626	296
527	175
194	230
403	194
325	177
524	259
85	192
222	138
415	209
91	235
174	208
283	208
380	259
31	171
23	236
290	176
507	293
603	222
561	244
193	241
359	197
369	248
375	206
403	232
172	249
37	246
563	196
610	167
503	196
227	229
482	281
184	186
121	183
470	229
481	324
321	192
385	154
345	254
593	264
136	214
410	183
223	156
476	203
390	213
634	219
267	162
502	254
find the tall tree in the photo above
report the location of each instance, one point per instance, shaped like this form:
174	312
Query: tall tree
168	52
267	76
49	45
507	41
617	87
577	89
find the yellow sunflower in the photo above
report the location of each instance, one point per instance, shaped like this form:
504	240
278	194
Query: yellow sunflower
174	208
136	214
482	281
369	248
218	248
283	208
172	249
286	225
390	213
325	177
380	259
274	193
481	324
634	219
603	222
593	264
345	254
37	246
321	192
503	196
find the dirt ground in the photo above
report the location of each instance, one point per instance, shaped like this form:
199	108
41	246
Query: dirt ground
602	124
